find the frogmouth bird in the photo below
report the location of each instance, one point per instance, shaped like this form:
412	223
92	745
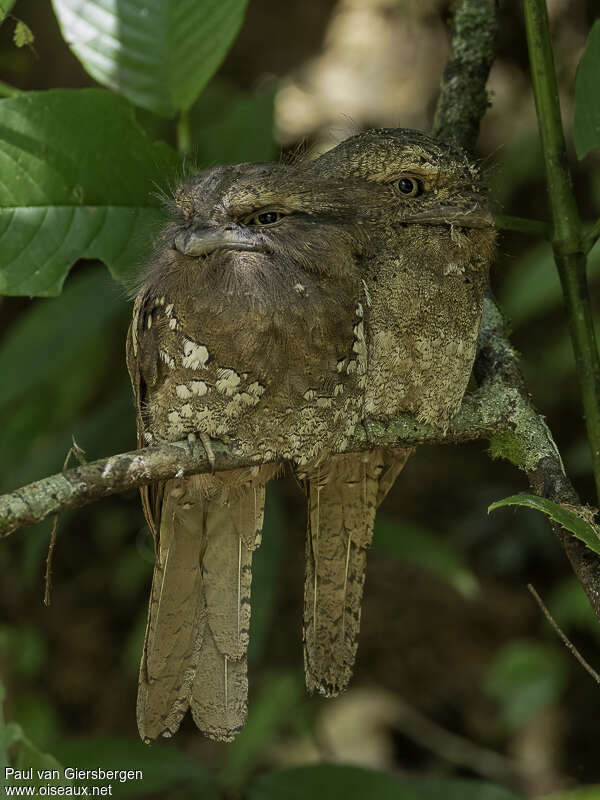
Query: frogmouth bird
247	327
431	241
283	305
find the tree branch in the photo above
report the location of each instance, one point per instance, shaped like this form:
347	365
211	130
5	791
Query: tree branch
483	413
463	99
500	410
529	445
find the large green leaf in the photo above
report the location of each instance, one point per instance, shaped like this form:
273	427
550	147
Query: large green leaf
270	712
587	532
336	782
586	122
44	337
77	180
158	53
162	766
525	678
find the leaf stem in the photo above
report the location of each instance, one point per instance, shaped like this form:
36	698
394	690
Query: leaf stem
184	135
567	240
534	227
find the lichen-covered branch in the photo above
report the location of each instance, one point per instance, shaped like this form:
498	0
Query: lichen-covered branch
463	98
528	444
500	410
482	414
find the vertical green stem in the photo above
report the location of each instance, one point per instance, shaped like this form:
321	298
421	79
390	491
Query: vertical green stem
184	134
567	241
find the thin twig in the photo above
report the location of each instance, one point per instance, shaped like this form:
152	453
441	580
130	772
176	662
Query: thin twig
568	644
74	451
49	557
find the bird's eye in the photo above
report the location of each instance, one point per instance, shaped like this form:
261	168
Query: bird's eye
410	187
264	218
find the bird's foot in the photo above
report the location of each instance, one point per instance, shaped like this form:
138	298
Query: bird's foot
207	444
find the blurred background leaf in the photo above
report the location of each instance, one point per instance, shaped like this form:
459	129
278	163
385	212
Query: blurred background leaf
586	123
587	793
278	701
267	565
445	588
158	53
416	545
231	126
63	198
72	340
163	766
352	783
525	678
7	5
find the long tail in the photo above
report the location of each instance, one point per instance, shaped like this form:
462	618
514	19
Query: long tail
343	495
199	615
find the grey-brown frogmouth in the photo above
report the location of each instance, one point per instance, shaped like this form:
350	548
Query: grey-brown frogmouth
247	328
282	306
432	239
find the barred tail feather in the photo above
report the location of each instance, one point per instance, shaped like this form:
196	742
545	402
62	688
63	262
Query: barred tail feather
343	495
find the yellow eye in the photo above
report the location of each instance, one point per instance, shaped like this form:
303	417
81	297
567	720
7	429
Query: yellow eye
265	218
410	187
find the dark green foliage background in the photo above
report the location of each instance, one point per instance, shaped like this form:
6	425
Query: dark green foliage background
447	622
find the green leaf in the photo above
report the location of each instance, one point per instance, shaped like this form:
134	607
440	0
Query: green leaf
78	176
524	679
161	764
337	782
268	713
25	755
587	532
52	334
230	126
30	757
10	734
158	53
23	34
5	7
417	545
570	607
533	287
586	122
585	793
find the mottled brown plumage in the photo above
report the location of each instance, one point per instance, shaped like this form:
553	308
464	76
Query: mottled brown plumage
283	305
424	281
247	328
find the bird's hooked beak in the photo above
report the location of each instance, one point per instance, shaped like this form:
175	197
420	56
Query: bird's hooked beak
474	213
197	241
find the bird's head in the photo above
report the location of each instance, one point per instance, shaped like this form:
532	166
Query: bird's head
257	229
422	180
